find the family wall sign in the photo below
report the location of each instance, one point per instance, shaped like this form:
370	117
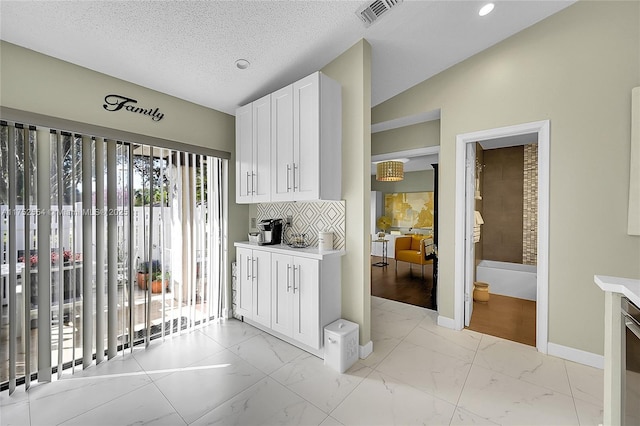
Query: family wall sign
118	102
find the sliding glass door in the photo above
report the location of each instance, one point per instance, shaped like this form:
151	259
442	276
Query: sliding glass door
105	245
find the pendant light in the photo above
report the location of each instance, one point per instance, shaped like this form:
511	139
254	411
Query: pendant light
390	171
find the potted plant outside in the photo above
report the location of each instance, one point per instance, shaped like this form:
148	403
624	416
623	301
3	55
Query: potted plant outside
144	269
158	281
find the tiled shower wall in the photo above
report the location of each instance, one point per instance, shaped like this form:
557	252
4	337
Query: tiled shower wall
309	218
530	206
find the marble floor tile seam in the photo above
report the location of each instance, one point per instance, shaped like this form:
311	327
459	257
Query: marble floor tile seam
570	392
291	387
258	384
169	402
221	403
220	342
401	337
575	387
96	408
107	401
425	391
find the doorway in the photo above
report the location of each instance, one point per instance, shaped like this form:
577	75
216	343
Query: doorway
465	262
504	238
410	208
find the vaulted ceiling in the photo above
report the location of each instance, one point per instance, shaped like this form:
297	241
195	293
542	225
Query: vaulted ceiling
189	49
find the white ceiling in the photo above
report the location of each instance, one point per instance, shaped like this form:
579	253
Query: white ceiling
188	48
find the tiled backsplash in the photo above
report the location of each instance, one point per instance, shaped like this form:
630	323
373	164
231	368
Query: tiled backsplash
530	206
310	218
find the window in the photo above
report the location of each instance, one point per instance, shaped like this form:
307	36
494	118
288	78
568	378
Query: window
104	244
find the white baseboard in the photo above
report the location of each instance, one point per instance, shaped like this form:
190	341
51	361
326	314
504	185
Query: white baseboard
576	355
446	322
366	350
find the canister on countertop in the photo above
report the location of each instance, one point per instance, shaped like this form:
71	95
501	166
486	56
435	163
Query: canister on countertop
325	240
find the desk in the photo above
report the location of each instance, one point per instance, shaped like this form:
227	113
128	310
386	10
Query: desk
384	251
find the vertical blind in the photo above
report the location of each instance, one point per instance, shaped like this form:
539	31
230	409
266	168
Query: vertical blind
104	245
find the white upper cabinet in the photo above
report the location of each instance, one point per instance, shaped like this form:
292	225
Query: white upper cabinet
282	144
244	154
303	140
253	151
314	153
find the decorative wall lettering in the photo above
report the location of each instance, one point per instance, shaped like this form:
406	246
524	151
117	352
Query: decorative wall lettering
118	102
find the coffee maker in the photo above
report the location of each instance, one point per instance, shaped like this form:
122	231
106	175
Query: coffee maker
271	230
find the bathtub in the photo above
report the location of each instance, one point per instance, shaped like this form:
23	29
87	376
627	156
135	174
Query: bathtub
509	279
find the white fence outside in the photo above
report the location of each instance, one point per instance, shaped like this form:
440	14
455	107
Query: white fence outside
67	235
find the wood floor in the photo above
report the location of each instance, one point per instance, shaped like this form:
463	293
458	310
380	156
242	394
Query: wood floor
507	317
407	285
502	316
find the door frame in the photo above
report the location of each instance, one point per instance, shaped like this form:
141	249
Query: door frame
542	129
470	247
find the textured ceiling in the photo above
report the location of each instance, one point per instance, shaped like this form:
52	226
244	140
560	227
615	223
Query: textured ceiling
188	48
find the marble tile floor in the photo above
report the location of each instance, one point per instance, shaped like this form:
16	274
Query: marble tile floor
232	373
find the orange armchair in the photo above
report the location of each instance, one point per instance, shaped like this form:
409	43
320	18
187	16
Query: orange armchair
418	249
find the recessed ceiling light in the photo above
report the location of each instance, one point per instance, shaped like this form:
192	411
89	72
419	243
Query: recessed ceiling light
242	64
486	9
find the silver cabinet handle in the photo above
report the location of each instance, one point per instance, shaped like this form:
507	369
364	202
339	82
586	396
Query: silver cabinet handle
256	298
288	277
254	183
248	273
288	183
254	273
248	190
631	325
295	268
294	176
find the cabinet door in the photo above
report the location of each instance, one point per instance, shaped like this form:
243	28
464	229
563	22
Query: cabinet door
306	302
261	287
282	294
282	144
261	177
244	283
244	153
306	137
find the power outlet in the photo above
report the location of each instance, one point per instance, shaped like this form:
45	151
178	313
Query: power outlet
253	223
289	220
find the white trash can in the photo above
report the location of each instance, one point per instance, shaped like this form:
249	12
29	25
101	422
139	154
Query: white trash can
341	344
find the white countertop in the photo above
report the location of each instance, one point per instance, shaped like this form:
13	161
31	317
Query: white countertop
625	286
309	252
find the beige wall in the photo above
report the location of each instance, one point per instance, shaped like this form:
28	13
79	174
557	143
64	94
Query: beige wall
40	84
575	68
404	138
352	70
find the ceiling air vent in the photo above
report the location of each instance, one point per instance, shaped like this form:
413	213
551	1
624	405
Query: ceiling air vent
370	12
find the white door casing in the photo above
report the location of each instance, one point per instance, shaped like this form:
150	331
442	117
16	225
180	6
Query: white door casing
541	128
469	222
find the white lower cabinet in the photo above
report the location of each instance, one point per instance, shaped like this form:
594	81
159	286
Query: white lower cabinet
301	296
254	289
296	298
